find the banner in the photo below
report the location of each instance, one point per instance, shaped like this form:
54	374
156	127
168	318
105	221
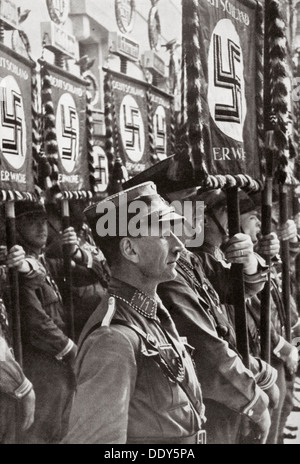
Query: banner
68	95
15	122
227	50
131	137
161	108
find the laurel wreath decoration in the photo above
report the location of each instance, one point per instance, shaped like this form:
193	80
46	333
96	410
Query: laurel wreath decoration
259	84
153	155
109	141
49	129
117	171
276	37
2	33
191	28
36	139
172	127
90	145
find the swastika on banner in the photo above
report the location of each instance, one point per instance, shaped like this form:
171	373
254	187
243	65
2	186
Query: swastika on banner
132	128
160	132
226	85
67	128
101	168
13	141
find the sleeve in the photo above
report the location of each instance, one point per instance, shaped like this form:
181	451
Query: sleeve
12	379
40	329
294	247
90	268
84	272
265	375
222	375
283	349
106	375
218	273
37	273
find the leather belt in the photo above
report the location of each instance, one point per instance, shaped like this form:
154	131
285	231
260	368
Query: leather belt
198	438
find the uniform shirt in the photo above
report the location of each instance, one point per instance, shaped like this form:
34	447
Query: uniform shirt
280	348
223	376
122	394
223	315
42	314
12	379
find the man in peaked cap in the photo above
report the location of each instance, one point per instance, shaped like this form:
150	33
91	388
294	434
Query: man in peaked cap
201	285
48	351
136	382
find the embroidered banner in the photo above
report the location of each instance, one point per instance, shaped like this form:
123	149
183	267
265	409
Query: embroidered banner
162	127
15	122
227	49
130	127
68	95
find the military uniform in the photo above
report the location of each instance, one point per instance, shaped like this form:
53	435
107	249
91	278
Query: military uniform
228	387
44	346
13	383
280	348
145	405
90	279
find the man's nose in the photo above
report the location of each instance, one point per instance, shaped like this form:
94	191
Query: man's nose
176	243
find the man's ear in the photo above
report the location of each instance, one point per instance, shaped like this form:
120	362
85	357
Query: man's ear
129	249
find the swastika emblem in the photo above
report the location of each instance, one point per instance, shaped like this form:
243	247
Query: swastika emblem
67	128
227	80
12	121
132	129
160	132
226	85
101	168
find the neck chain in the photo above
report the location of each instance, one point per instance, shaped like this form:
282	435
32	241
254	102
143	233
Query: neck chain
188	269
151	315
176	373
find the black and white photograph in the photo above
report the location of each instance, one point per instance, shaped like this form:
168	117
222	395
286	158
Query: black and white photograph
149	224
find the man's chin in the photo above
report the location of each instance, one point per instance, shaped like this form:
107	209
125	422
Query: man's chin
170	275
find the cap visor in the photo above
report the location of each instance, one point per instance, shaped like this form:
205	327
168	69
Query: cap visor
171	216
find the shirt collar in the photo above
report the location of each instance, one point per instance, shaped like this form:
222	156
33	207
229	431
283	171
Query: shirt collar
137	299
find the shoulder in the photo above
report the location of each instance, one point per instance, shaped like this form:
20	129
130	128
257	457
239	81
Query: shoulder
101	328
115	348
115	337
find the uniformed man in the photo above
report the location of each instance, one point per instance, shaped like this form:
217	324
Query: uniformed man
192	300
15	388
135	378
284	356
